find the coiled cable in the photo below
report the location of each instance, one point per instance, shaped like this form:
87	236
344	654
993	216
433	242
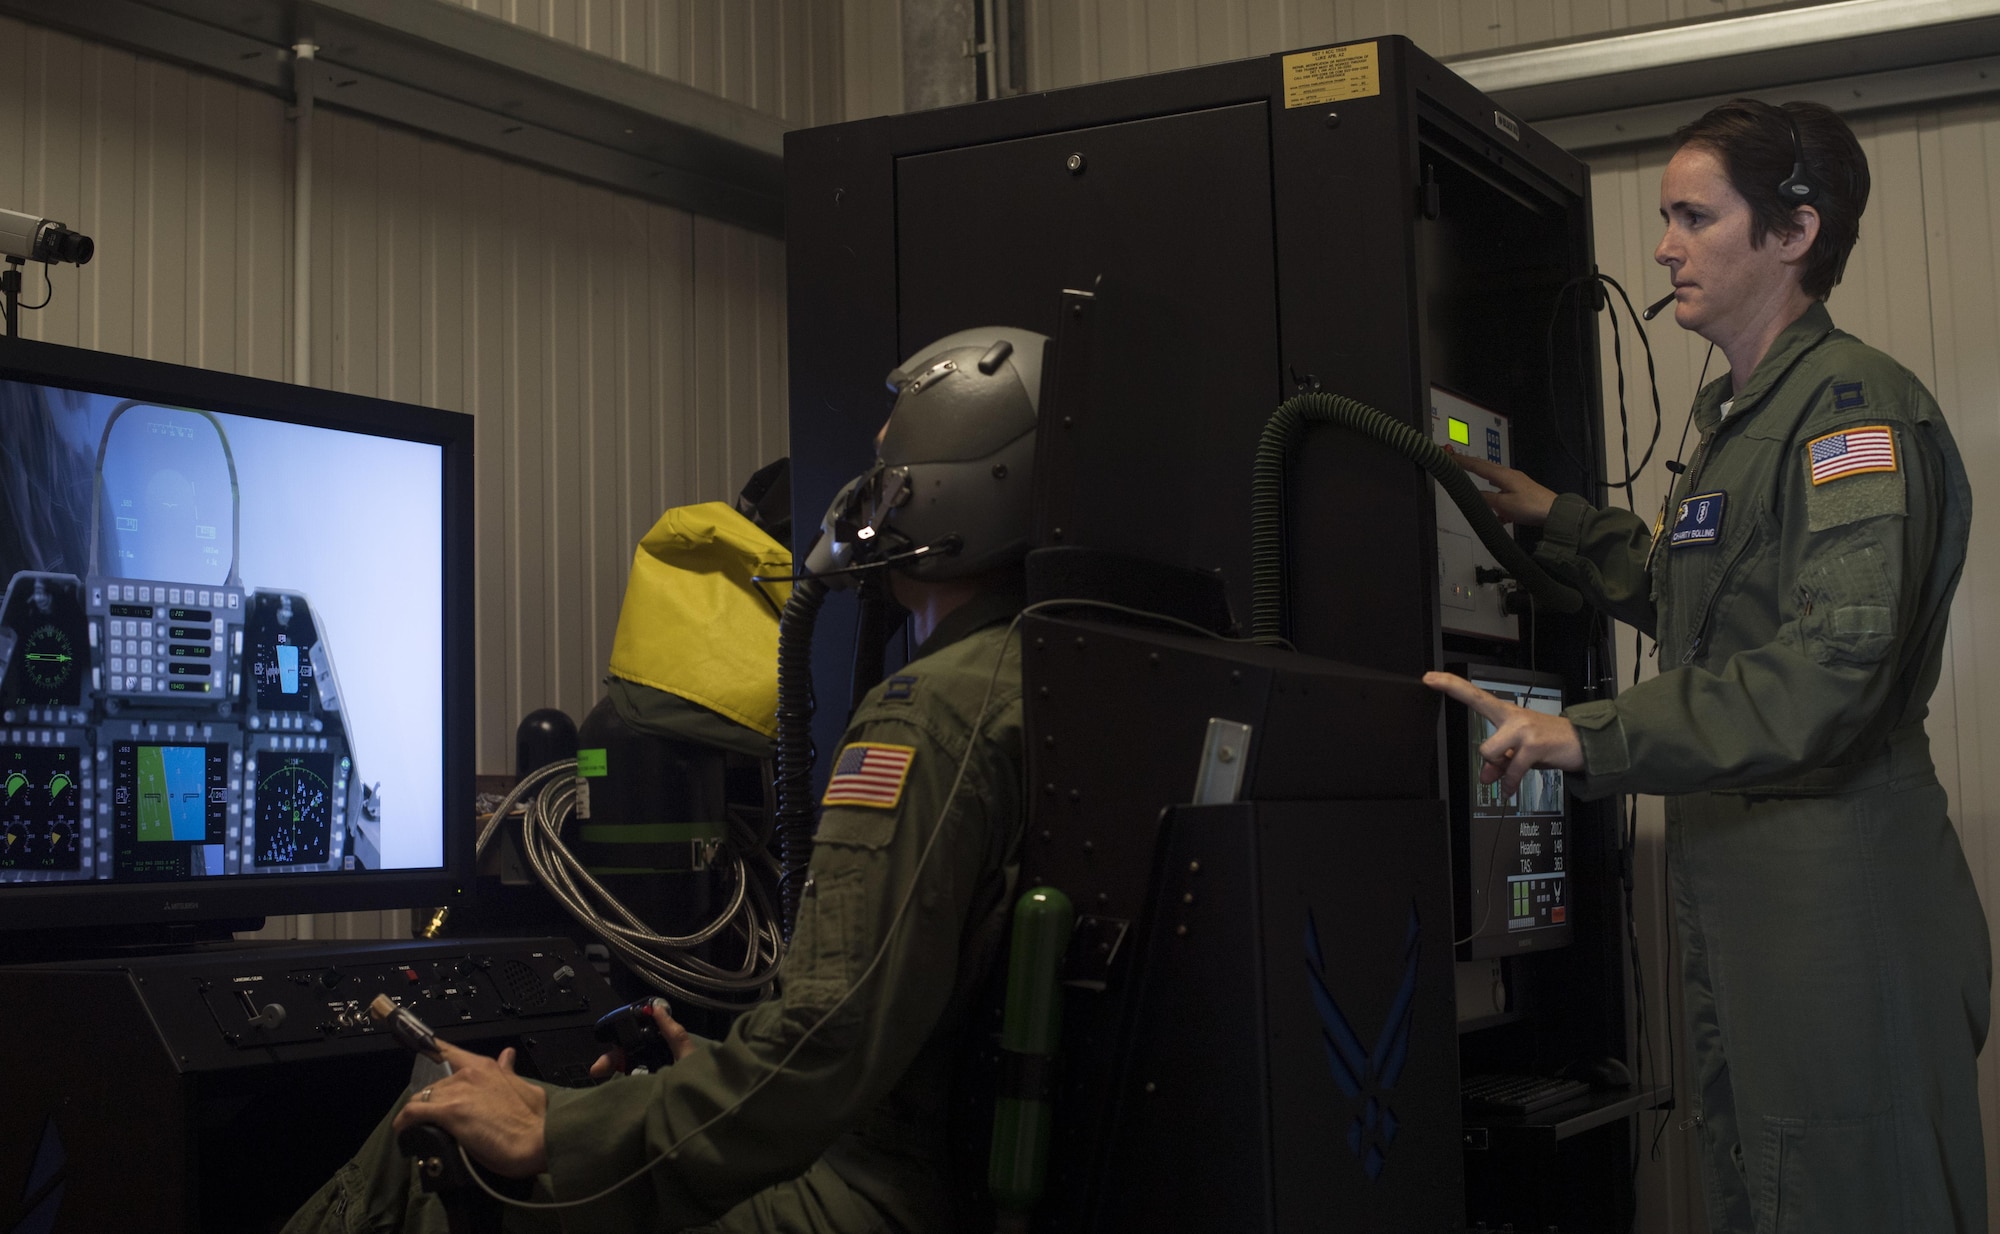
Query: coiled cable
747	921
1267	560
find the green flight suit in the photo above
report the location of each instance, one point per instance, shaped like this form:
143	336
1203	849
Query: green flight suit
850	1136
1835	957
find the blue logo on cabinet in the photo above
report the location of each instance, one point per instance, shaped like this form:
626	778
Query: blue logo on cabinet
43	1194
1368	1076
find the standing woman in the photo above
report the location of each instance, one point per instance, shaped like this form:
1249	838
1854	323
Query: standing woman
1834	954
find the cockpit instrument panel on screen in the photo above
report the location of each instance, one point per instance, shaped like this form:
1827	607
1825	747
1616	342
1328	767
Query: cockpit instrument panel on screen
219	643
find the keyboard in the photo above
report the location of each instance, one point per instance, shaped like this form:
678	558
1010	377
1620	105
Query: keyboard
1518	1094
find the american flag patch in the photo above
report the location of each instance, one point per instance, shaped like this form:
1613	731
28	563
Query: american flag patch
1852	452
869	774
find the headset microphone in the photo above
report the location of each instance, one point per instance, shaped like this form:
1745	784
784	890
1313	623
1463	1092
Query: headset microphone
1653	309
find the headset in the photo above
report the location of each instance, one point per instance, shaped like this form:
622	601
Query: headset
1799	188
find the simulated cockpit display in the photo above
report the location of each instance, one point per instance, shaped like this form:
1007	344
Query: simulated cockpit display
219	643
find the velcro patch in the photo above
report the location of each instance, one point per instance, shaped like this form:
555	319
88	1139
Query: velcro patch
1847	396
1699	521
869	773
1851	452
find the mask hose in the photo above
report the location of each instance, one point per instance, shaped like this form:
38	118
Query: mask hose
792	748
1267	553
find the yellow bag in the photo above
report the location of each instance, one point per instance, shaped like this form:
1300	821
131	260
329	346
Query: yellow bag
694	625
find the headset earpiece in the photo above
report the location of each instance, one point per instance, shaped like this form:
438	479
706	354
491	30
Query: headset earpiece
1798	188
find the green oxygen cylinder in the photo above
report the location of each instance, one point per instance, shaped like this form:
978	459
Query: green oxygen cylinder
1029	1033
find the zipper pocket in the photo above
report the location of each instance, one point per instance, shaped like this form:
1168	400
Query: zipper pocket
1714	591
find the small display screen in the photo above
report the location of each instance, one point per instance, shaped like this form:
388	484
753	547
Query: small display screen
295	810
41	815
283	678
1524	834
169	809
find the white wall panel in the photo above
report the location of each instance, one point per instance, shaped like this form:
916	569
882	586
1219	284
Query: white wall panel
1076	41
872	43
1958	156
780	56
618	357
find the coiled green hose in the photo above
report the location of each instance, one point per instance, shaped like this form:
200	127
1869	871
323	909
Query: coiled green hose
1267	560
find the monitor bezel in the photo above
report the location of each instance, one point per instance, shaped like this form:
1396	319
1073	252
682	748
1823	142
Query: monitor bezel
44	907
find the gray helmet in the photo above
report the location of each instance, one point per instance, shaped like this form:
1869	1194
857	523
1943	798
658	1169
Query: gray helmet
951	493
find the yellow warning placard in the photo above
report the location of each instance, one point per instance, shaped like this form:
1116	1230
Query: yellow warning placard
1331	74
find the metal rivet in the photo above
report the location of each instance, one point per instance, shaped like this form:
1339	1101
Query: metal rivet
1050	789
999	471
1042	691
1235	675
1153	658
1075	795
1056	534
1194	867
1075	163
1180	931
1104	897
1040	643
1088	847
1046	835
1226	754
1333	119
1079	642
1187	897
1049	740
1151	1087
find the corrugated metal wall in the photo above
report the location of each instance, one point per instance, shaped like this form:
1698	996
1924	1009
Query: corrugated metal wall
874	57
619	357
1076	41
779	56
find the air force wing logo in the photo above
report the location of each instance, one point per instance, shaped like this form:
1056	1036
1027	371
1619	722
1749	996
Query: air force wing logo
1365	1075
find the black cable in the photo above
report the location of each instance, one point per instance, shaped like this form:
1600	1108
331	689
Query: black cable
1549	366
947	546
1652	380
1676	466
1593	281
48	295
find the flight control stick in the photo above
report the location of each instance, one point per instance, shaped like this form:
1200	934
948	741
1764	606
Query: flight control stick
442	1167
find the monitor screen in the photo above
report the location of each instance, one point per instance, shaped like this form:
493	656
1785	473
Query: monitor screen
1516	850
225	645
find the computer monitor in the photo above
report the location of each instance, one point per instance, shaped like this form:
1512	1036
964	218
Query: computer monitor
1511	860
235	646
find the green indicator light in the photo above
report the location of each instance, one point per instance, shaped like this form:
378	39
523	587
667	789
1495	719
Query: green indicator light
1461	432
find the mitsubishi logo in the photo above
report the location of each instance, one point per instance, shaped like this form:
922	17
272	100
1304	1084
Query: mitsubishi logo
1368	1076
